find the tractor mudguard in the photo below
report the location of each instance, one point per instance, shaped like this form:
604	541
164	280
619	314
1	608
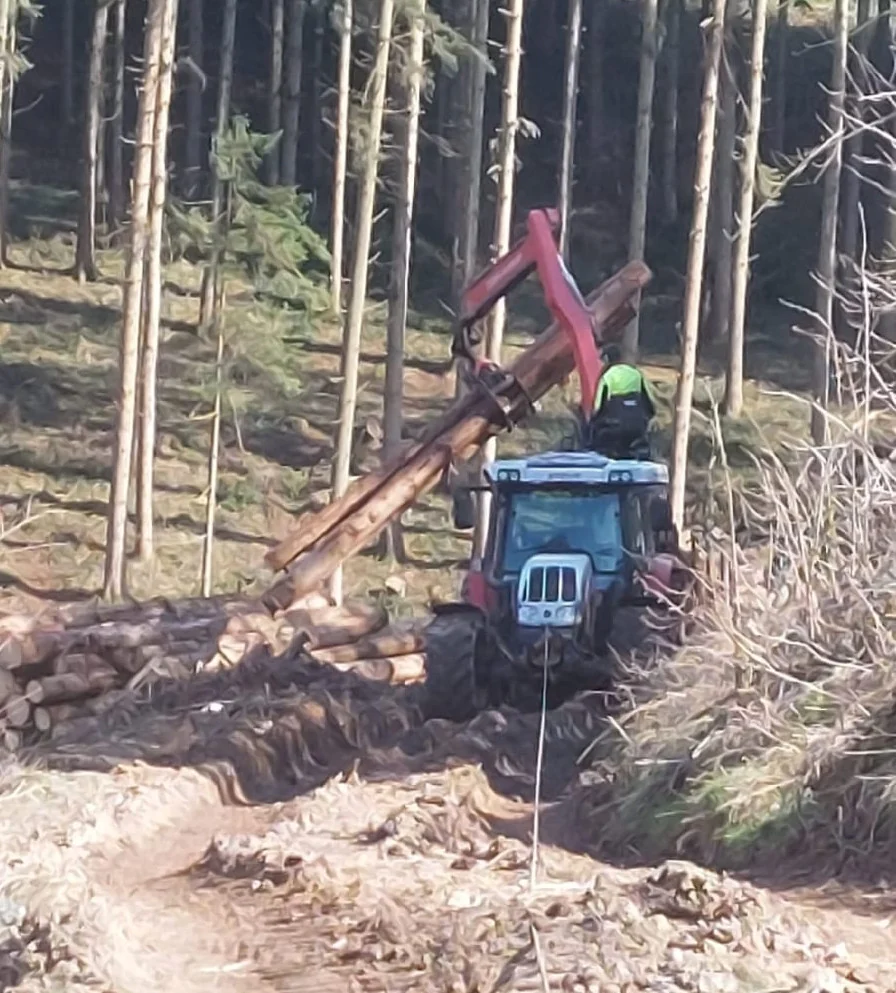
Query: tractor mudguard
457	607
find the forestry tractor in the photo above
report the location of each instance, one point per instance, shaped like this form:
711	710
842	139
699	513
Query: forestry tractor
576	540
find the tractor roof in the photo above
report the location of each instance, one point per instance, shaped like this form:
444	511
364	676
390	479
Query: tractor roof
576	467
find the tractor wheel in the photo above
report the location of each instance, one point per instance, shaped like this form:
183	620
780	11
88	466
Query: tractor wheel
452	690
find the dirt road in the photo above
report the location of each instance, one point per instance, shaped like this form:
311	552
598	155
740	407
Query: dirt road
372	852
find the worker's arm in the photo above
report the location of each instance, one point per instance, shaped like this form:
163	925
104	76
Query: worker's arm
601	395
647	394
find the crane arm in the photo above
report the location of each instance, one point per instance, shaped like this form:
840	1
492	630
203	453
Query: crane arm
537	252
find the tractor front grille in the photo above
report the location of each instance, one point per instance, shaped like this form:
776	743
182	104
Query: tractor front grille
551	584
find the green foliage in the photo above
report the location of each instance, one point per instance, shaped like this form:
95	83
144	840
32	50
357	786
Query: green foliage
265	233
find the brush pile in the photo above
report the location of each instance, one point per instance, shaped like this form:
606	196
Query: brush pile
79	663
772	729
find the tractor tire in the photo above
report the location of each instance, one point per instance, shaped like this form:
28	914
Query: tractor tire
451	690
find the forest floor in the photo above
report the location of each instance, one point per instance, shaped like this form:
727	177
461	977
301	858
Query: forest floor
331	840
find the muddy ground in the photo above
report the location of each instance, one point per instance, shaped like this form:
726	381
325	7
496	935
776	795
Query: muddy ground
285	827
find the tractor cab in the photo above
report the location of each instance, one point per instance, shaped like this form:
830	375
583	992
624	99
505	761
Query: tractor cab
573	537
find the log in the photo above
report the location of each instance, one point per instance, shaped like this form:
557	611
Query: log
59	713
11	653
12	739
336	625
18	711
8	685
393	640
42	719
397	669
70	686
160	608
548	361
189	652
314	524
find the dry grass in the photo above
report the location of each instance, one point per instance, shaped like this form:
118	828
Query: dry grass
58	381
772	731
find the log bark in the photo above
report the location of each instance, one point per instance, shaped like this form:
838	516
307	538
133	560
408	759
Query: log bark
472	421
320	632
12	740
42	719
18	711
70	686
397	669
8	685
383	644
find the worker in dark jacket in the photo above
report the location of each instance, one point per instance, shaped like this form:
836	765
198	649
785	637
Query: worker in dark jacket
623	408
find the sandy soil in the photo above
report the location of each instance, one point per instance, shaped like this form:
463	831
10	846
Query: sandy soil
301	830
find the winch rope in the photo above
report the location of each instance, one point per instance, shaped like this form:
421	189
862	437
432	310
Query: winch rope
539	762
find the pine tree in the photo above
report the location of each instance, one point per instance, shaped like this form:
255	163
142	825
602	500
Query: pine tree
570	119
85	251
690	324
116	530
734	385
401	255
152	312
641	182
827	250
351	346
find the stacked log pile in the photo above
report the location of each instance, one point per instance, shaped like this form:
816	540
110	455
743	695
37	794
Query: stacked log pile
53	670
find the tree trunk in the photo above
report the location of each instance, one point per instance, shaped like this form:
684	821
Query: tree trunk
503	217
7	100
353	521
117	201
337	227
671	50
102	193
85	251
152	314
132	305
690	328
827	250
208	544
316	130
723	206
734	385
570	119
351	346
222	117
470	240
641	181
595	90
401	261
68	65
852	184
293	99
782	48
275	87
193	156
463	96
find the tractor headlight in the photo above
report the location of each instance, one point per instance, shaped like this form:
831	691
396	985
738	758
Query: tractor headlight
529	614
566	615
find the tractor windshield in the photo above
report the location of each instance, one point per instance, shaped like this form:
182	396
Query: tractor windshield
563	520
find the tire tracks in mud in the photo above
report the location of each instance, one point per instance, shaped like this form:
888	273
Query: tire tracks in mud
287	827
